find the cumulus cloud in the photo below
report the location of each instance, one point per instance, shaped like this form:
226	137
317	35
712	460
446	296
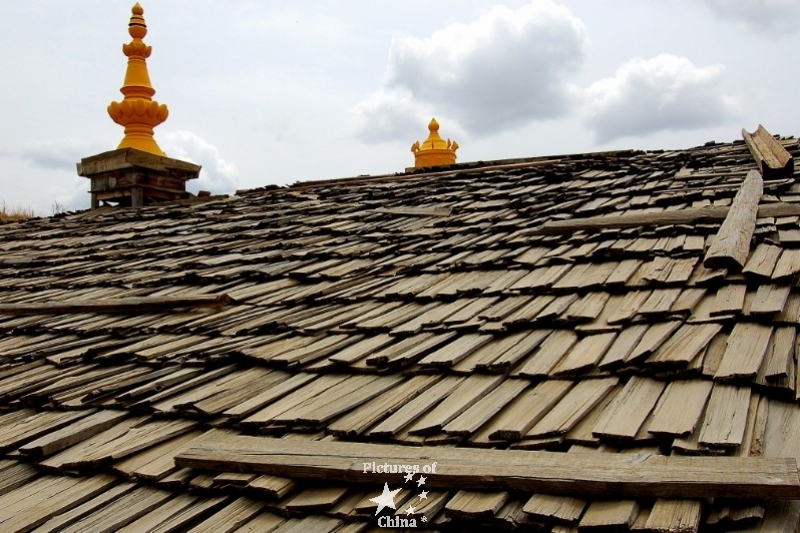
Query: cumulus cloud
395	115
504	69
217	175
666	92
768	17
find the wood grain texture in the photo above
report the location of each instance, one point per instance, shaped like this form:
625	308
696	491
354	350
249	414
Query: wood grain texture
688	215
771	157
731	246
120	305
555	473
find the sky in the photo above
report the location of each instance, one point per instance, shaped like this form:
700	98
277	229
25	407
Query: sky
266	92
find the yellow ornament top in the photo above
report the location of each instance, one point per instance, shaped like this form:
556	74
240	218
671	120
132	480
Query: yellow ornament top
138	112
434	150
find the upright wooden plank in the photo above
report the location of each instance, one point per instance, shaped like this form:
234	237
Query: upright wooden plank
652	340
473	418
769	299
680	407
780	354
729	299
540	363
747	346
230	517
572	407
557	508
361	418
470	391
684	345
675	516
726	416
466	468
622	346
732	243
585	354
614	515
629	409
788	264
412	410
451	353
473	505
763	260
527	409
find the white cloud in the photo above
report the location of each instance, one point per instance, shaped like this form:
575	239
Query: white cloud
768	17
217	175
504	69
666	92
389	115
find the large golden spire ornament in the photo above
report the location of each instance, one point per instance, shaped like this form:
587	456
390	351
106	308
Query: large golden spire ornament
138	112
434	150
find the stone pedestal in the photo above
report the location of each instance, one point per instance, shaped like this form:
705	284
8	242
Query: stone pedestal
131	177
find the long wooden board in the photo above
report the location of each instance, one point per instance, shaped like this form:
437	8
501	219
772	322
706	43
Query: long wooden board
688	215
732	243
120	305
624	475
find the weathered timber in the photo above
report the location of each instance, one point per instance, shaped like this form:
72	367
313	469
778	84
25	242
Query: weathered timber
624	475
732	243
689	215
771	157
119	305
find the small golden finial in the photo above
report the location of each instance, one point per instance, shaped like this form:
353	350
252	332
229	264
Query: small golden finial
138	112
434	150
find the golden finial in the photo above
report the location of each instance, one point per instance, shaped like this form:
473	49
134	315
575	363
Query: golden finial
138	112
434	150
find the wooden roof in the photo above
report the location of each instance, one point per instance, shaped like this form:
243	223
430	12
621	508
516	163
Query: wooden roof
559	335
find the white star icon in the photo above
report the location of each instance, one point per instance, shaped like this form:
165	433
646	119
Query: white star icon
421	481
409	476
386	499
423	495
410	510
424	518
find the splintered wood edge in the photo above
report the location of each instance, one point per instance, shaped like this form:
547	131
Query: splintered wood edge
620	475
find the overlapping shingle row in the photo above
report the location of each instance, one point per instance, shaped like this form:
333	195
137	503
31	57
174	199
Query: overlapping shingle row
445	308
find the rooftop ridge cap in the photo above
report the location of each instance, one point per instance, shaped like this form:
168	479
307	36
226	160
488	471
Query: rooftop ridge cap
459	168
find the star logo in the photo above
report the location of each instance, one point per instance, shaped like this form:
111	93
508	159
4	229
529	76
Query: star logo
409	477
421	481
410	510
386	499
423	495
424	518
